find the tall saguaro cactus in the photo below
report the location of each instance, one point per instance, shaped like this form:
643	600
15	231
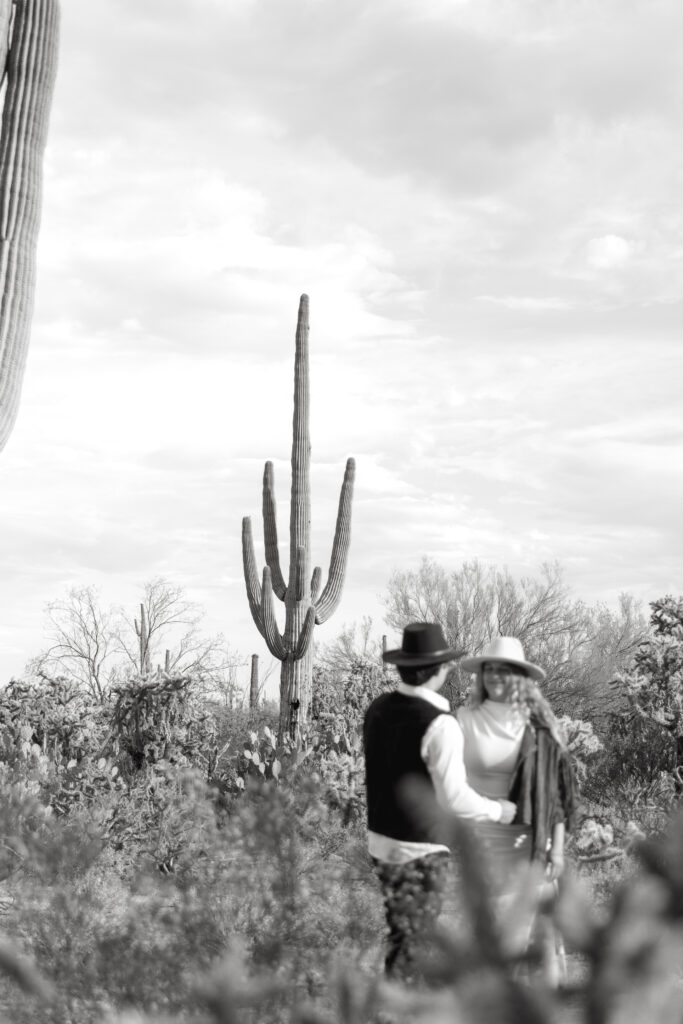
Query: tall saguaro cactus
305	603
28	59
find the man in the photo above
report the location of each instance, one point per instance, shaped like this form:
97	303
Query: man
411	733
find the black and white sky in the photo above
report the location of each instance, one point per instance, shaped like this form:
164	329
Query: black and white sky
483	201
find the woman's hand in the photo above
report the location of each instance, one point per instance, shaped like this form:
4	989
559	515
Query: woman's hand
556	855
555	866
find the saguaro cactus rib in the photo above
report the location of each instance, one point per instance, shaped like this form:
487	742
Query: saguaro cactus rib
331	595
300	577
31	67
270	532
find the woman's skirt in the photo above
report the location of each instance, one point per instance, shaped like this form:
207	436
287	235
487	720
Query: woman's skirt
506	850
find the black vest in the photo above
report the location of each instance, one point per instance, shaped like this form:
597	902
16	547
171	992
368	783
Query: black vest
392	735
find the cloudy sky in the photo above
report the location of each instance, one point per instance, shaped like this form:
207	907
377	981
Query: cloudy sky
482	200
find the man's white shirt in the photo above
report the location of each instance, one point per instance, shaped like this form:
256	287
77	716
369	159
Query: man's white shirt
442	752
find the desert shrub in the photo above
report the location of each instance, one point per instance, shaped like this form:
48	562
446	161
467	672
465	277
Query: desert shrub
160	718
24	822
107	945
653	686
341	696
601	880
334	760
160	820
275	873
636	753
279	878
315	897
233	725
131	884
54	715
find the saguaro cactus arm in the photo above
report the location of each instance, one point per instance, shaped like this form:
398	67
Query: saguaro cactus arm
260	597
271	633
316	580
306	634
331	595
270	532
31	66
251	573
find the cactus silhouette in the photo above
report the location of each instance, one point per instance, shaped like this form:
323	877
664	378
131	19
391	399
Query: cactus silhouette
253	683
28	37
142	630
305	604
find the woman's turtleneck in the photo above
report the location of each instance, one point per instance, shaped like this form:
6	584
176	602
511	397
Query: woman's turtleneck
504	713
492	740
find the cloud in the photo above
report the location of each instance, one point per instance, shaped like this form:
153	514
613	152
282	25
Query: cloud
453	145
608	251
481	201
526	302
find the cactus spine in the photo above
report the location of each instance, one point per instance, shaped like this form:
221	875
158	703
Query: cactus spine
304	604
30	58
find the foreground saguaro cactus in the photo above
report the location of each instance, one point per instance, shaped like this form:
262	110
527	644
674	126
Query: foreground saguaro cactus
304	604
28	56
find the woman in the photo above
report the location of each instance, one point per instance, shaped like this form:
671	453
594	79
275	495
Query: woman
513	749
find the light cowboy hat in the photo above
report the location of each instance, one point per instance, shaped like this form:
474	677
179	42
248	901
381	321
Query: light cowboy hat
423	644
504	648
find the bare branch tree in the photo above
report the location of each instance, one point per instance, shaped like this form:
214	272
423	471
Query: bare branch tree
85	641
82	640
580	647
353	644
172	640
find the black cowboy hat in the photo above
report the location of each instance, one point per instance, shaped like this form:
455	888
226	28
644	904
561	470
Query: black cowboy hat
423	644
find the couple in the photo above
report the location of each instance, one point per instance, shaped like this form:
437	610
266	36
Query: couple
501	763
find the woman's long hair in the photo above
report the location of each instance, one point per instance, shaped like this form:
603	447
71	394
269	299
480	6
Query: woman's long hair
527	699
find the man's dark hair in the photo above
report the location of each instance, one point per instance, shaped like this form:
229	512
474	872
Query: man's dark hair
417	676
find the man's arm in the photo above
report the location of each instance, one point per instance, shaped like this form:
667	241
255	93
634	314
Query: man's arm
442	752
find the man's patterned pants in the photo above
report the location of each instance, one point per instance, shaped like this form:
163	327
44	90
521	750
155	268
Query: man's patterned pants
413	897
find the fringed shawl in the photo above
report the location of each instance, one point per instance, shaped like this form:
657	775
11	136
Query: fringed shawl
543	787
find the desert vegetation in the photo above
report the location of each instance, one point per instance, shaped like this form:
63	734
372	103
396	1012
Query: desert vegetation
165	857
174	852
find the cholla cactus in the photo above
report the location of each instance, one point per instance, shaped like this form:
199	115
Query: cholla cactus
305	604
582	743
28	49
654	687
594	837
